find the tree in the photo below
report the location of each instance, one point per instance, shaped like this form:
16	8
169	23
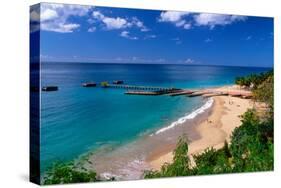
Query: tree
253	80
62	173
265	92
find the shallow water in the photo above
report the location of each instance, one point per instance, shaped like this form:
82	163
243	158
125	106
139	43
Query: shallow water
77	120
129	161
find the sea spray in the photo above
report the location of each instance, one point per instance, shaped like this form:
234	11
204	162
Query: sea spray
192	115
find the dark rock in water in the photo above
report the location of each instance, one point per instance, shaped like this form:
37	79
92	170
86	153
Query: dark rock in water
118	82
89	84
50	88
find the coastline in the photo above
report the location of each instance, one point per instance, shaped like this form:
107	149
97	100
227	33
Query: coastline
209	125
132	158
213	131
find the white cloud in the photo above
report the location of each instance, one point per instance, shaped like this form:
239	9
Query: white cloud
187	20
34	27
75	58
92	29
172	16
136	22
34	18
189	61
177	40
145	29
34	15
180	23
176	18
60	27
111	23
125	34
115	23
144	60
187	26
212	20
55	17
150	36
48	14
98	15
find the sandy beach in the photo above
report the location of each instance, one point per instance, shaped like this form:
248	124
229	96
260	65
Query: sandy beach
218	127
212	126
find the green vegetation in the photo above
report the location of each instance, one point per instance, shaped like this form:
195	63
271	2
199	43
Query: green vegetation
253	80
252	144
265	92
104	84
62	173
251	147
180	165
262	86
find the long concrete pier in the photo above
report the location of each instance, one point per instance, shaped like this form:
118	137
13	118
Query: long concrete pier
171	91
144	93
152	92
147	88
181	92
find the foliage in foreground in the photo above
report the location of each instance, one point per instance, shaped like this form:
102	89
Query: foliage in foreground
251	147
180	165
251	150
67	173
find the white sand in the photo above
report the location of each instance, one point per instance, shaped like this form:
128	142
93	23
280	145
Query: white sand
225	117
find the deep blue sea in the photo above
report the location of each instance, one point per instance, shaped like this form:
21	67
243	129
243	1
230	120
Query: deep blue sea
76	120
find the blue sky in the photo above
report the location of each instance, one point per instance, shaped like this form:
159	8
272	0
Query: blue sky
76	33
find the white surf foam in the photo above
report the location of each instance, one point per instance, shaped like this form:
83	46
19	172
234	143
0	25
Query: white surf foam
192	115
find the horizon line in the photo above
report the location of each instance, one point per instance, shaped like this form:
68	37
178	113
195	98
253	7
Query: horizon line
138	63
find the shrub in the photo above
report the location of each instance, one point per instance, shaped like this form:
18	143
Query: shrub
179	166
62	173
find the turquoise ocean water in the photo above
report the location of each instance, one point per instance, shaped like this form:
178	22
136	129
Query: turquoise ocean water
76	120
